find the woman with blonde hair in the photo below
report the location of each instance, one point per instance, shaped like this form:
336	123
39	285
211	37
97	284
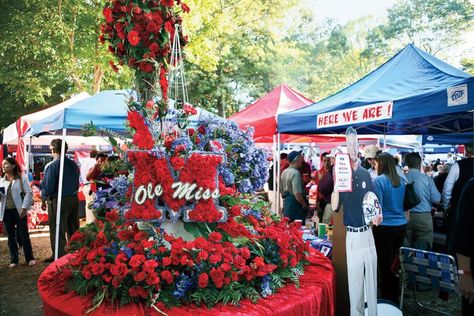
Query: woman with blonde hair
15	200
389	235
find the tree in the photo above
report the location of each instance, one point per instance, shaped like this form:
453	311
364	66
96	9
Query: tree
433	25
229	43
49	51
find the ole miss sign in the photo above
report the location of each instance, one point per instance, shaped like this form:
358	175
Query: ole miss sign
175	186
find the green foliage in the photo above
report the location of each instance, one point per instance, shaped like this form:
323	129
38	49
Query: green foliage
238	50
432	25
230	294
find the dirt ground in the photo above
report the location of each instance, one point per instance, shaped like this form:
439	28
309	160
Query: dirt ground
19	294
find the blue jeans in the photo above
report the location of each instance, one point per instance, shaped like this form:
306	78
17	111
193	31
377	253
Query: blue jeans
14	223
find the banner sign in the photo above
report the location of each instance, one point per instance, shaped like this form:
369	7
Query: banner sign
343	173
175	186
366	113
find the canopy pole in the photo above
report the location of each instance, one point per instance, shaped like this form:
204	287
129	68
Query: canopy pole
60	193
274	173
28	155
277	188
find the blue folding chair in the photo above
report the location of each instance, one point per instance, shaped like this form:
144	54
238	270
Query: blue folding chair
437	270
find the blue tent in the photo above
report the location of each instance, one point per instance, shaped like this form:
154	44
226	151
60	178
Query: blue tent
106	109
412	93
439	149
451	139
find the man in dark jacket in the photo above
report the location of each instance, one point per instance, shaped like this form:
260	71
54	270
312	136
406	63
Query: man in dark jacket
69	219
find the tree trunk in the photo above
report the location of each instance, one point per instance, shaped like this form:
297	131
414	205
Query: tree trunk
220	96
98	75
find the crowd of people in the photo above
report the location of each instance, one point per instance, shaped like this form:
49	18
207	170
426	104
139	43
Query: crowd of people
444	192
306	194
16	198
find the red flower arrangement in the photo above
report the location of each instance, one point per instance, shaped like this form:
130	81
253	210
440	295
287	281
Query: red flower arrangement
139	32
142	137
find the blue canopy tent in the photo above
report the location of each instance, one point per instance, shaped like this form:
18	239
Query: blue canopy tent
450	139
412	93
106	109
439	149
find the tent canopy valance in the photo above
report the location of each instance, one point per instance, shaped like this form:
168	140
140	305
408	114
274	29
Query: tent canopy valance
412	93
106	109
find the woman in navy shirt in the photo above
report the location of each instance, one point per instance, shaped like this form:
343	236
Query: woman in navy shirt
389	235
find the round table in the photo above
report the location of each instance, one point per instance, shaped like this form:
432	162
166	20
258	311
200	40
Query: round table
315	296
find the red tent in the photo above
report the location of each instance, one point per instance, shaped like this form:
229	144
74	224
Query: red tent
262	113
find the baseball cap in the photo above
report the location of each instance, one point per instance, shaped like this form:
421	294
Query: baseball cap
293	155
370	151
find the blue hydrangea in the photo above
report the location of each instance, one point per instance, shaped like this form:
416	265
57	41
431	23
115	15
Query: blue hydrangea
183	284
127	251
250	212
120	184
265	287
246	163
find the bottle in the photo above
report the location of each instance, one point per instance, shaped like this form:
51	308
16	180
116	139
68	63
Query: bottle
329	232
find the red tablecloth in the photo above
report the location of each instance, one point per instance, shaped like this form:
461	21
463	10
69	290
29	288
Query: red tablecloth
315	296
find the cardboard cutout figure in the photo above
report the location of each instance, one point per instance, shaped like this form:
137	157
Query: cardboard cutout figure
360	209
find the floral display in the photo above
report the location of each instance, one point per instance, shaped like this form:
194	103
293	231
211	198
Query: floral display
139	34
249	256
177	221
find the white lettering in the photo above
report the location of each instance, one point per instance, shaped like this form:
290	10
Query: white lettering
215	194
207	194
140	195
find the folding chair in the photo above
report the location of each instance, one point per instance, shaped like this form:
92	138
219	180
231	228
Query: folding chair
429	268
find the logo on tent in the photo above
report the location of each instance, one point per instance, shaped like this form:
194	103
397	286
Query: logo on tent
457	95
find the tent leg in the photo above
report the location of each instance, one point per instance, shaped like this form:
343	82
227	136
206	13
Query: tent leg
277	187
60	193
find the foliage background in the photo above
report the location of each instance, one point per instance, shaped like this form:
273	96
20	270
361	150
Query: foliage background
238	50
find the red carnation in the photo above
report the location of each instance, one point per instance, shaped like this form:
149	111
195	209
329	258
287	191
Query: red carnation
145	67
108	15
154	48
167	3
184	7
203	280
112	216
202	129
189	109
150	104
169	27
166	261
133	38
153	28
167	276
215	237
217	276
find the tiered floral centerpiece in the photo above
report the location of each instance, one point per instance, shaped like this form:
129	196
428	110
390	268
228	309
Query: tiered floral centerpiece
228	246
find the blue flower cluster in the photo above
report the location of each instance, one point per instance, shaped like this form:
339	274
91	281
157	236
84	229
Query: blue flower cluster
246	164
101	199
265	287
183	284
120	184
251	212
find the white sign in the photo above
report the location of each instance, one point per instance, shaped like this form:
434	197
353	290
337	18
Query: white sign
343	173
457	95
366	113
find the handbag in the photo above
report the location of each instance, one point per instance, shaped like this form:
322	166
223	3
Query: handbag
411	199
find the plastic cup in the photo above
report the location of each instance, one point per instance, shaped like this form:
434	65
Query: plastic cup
321	230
